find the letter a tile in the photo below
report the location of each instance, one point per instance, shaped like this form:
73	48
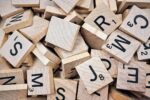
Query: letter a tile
121	46
62	33
94	74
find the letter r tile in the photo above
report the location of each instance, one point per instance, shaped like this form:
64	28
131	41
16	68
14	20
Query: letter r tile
94	74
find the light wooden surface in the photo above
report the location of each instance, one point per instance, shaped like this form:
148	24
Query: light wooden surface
65	90
74	17
94	74
85	4
9	77
98	2
37	31
136	24
93	37
43	58
143	52
13	87
109	62
40	81
45	3
29	60
53	11
7	9
69	64
101	20
62	33
121	46
101	94
4	65
2	37
18	21
48	53
80	43
26	3
132	76
113	5
66	5
16	47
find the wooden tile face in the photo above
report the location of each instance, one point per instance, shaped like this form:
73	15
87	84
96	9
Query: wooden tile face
101	20
2	37
121	46
26	3
144	51
65	89
137	24
109	62
113	5
85	4
40	81
16	47
38	29
69	64
101	94
131	76
93	74
7	9
80	43
62	33
9	77
147	92
66	5
18	21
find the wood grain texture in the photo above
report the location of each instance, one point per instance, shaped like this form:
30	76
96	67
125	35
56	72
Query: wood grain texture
18	21
37	30
131	76
16	47
66	5
26	3
101	94
69	64
2	37
42	78
136	24
121	46
94	74
62	33
7	9
80	43
85	4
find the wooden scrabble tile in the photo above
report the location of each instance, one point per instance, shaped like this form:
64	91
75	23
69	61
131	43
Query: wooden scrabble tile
53	11
4	65
38	29
43	58
94	74
28	60
85	4
109	62
113	5
66	5
74	17
101	94
45	3
13	76
80	43
40	81
98	2
101	20
62	33
136	24
117	95
34	98
26	3
131	76
147	70
49	54
2	37
126	3
93	37
18	21
69	64
16	47
121	46
65	90
13	92
7	9
143	52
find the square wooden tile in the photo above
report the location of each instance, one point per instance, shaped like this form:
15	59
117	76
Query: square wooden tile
26	3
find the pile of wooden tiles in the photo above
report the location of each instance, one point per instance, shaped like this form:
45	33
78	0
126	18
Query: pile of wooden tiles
75	50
